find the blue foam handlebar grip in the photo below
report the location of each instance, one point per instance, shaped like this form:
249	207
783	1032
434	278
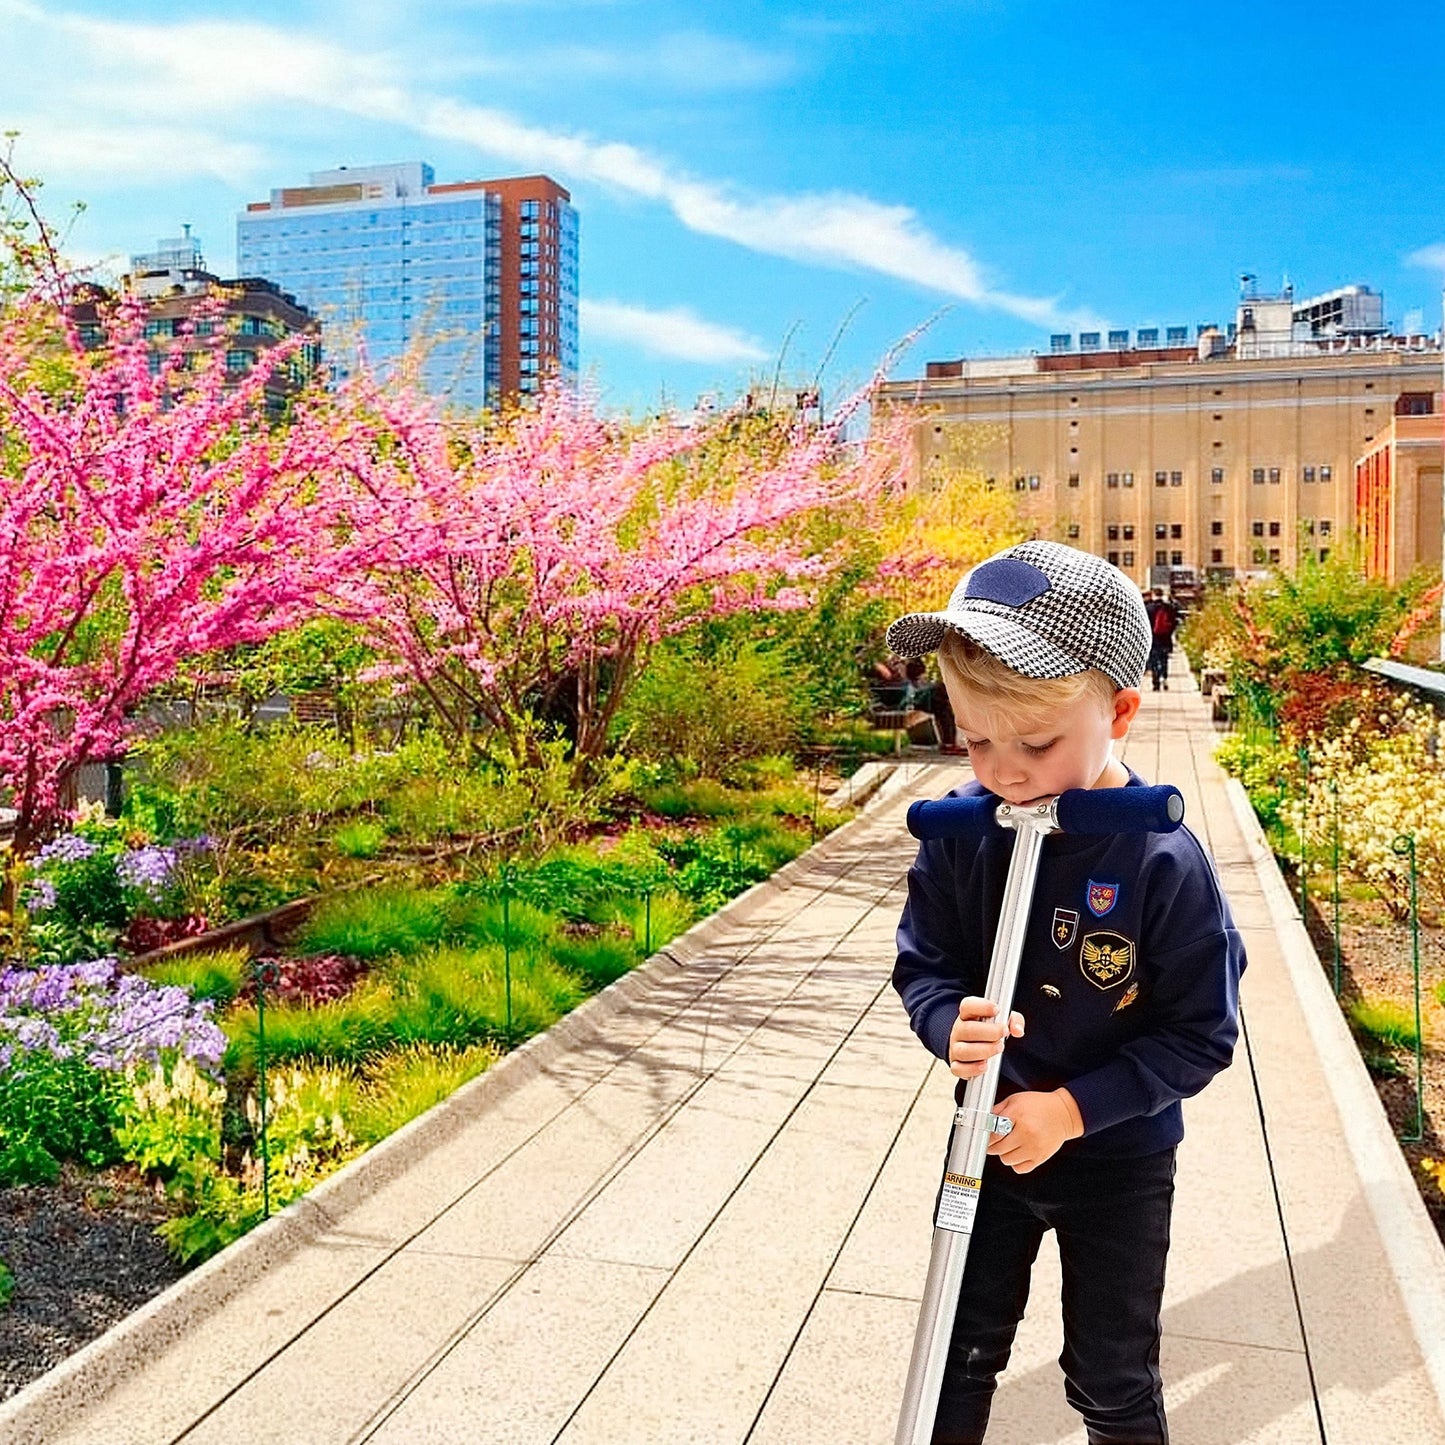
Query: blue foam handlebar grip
1121	810
955	818
1080	810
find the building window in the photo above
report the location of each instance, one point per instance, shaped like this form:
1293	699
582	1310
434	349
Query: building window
1113	559
1033	484
1309	525
1161	479
1274	474
1216	529
1073	479
1019	484
1216	555
1324	554
1128	531
1258	475
1161	559
1216	475
1326	527
1128	559
1160	531
1309	474
1113	533
1128	479
1073	530
1176	559
1414	403
1274	529
1176	530
1258	555
1176	479
1257	528
1274	554
1111	479
1219	416
1326	473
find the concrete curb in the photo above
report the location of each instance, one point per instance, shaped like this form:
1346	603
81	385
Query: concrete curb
49	1402
1411	1244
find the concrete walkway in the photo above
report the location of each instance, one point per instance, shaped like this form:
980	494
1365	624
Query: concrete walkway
701	1213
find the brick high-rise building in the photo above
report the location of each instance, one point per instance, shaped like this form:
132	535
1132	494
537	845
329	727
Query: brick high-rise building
1225	453
481	276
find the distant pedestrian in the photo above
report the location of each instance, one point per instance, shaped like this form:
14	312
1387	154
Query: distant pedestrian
1163	623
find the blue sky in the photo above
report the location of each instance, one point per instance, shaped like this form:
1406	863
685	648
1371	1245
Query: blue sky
752	176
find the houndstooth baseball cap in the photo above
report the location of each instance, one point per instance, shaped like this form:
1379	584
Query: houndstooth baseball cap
1044	609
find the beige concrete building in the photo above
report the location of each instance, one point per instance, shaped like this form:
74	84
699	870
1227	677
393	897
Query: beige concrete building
1222	456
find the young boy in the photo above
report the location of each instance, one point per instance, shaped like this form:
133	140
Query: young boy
1127	993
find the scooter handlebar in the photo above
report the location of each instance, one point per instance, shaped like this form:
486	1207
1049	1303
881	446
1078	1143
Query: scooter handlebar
1080	810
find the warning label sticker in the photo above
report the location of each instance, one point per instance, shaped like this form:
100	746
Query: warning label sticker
958	1203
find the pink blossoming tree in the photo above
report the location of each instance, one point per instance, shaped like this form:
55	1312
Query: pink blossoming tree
525	569
147	517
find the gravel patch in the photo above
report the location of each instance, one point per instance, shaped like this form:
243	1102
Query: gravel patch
84	1254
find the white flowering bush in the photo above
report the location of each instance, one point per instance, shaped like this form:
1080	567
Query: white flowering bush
1385	787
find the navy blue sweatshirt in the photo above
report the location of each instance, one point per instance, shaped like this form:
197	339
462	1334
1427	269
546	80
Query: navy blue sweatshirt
1129	981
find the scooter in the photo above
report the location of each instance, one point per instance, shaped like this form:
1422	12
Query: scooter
1081	810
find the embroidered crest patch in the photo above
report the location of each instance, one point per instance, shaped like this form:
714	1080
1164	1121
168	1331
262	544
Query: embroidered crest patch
1102	897
1130	994
1066	926
1107	959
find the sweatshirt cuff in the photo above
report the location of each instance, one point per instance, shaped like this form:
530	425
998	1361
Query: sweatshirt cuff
1109	1095
937	1029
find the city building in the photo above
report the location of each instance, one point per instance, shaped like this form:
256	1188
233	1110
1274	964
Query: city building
173	282
1223	453
1398	486
476	279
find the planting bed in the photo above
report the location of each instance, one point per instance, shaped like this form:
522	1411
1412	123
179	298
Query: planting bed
379	1003
1376	965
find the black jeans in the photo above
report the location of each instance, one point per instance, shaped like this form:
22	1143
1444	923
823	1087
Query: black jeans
1112	1220
1159	665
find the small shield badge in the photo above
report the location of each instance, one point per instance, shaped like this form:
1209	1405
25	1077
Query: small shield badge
1107	959
1102	897
1066	927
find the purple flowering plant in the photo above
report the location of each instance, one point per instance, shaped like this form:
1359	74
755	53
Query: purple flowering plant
86	885
69	1034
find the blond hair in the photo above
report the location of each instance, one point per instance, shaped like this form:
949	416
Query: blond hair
971	673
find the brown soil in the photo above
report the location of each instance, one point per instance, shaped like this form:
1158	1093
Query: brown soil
1377	963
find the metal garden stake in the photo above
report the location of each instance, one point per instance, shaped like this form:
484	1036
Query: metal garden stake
1106	810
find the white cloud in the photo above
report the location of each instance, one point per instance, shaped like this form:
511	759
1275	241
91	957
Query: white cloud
120	154
192	69
676	332
689	60
1431	256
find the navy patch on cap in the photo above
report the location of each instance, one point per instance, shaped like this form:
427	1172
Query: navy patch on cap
1008	581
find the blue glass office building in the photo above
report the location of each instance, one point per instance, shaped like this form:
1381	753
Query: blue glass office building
392	262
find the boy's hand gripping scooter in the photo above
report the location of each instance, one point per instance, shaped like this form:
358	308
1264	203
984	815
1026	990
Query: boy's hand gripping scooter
1081	810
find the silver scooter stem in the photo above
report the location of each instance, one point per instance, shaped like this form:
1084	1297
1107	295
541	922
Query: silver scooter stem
973	1126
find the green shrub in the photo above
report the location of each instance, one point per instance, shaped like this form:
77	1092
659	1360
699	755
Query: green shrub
713	707
217	975
53	1109
375	922
1385	1022
7	1285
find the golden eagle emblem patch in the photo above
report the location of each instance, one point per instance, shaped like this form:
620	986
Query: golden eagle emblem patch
1107	959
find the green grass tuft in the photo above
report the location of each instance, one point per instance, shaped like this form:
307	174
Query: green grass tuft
360	838
599	960
407	1082
375	923
218	976
347	1031
1385	1022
